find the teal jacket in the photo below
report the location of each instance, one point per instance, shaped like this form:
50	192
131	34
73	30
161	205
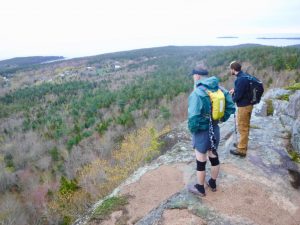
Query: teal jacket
199	105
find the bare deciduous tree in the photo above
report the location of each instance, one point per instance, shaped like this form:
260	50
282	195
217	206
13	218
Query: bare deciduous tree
12	212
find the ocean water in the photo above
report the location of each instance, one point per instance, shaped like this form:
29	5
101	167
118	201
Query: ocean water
263	39
95	48
90	48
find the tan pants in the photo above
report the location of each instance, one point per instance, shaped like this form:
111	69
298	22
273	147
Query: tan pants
244	116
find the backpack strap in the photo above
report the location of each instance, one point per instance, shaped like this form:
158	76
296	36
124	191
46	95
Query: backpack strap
211	134
248	77
202	88
222	89
206	91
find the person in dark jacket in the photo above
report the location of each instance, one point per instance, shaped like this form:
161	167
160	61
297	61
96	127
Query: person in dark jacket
240	95
199	111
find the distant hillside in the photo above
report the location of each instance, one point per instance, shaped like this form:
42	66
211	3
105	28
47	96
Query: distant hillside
9	66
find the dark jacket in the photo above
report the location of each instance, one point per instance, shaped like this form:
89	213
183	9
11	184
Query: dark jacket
241	90
199	105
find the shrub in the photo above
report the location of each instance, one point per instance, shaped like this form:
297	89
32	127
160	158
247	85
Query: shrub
90	122
125	119
165	112
54	153
74	141
67	186
86	134
8	159
103	126
67	220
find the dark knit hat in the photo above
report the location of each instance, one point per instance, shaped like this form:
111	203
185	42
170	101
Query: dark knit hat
199	71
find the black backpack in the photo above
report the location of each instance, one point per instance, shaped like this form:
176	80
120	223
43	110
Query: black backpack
256	89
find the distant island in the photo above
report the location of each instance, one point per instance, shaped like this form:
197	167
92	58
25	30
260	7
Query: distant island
228	37
286	38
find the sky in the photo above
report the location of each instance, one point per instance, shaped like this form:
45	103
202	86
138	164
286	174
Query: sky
74	28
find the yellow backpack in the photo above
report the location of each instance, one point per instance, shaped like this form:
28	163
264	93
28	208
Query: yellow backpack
217	100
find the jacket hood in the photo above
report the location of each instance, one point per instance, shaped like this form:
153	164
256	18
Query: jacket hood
211	83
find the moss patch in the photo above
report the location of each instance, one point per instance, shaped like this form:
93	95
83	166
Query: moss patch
270	108
294	156
179	205
255	127
284	97
201	211
294	87
108	206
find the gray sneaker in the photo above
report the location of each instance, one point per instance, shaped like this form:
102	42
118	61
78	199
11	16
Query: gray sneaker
191	188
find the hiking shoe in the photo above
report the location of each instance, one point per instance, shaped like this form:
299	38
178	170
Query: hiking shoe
235	145
239	152
193	189
211	183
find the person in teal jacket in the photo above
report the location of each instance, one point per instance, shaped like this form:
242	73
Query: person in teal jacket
199	111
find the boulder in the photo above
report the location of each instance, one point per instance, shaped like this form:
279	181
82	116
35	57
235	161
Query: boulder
296	136
275	93
287	122
280	107
293	108
260	109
